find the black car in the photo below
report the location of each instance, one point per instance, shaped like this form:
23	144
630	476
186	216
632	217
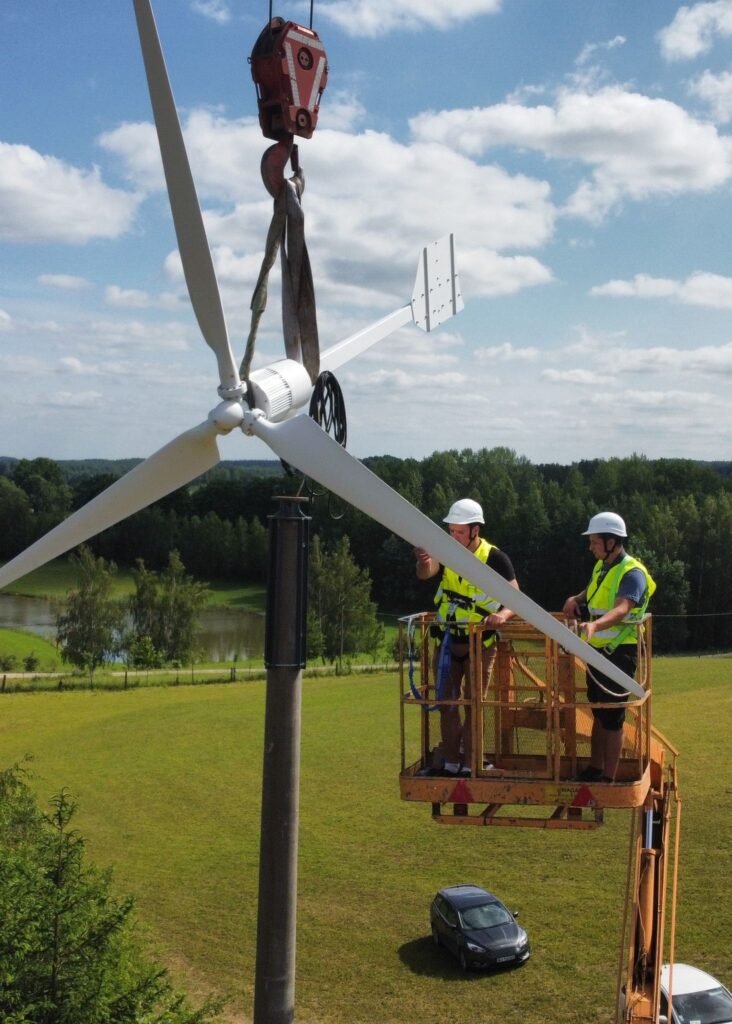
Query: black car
475	926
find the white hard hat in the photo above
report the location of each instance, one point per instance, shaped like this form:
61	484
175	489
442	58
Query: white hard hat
606	522
463	512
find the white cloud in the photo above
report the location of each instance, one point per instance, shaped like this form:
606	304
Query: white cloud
638	146
217	10
43	199
71	364
359	226
224	154
642	286
136	298
343	112
136	144
73	399
507	353
591	49
488	273
587	378
707	360
138	334
694	29
379	17
6	321
67	282
673	399
130	298
611	359
24	366
716	91
699	289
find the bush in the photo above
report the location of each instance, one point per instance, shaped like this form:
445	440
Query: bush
31	662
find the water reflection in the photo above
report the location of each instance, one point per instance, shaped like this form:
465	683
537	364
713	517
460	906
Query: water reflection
225	634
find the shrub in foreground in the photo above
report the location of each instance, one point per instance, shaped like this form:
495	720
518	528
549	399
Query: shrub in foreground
69	952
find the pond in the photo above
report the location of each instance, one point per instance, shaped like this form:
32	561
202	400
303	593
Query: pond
225	633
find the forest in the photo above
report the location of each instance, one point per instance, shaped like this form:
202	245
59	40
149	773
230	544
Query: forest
678	513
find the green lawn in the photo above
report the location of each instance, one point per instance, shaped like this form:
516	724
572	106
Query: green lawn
19	644
168	786
56	578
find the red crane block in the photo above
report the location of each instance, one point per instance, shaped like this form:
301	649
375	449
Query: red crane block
290	71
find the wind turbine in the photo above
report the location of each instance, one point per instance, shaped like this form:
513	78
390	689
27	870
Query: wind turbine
269	407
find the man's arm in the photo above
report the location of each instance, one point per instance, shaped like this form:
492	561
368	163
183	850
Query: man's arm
623	606
499	619
500	562
427	566
571	609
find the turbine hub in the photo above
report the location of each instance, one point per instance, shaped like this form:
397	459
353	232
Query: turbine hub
226	416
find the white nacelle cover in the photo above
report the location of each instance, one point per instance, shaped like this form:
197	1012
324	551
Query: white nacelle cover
280	389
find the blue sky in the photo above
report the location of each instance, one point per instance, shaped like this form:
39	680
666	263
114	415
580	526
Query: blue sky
580	152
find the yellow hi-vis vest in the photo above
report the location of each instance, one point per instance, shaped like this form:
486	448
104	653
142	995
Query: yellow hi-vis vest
601	595
459	602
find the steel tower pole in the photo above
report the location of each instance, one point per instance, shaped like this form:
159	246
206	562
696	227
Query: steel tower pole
285	642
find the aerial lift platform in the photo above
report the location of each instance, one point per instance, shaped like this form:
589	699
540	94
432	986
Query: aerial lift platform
530	742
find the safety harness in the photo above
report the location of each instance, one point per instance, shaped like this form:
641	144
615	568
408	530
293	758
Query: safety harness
444	661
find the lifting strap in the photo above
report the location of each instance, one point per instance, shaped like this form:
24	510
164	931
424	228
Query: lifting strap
287	234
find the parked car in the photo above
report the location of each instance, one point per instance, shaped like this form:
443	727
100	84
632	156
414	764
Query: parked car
477	928
695	996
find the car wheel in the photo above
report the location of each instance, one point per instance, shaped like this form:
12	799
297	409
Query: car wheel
463	960
435	935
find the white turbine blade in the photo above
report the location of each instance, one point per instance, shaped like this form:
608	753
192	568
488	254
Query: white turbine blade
302	443
192	242
436	297
171	467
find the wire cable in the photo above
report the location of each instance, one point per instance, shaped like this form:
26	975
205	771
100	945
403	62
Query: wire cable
328	409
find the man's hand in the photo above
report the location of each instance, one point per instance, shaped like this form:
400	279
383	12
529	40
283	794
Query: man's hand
422	555
588	630
571	609
495	621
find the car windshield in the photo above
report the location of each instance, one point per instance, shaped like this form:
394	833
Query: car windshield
711	1007
487	915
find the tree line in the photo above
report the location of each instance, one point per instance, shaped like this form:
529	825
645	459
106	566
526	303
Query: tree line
679	516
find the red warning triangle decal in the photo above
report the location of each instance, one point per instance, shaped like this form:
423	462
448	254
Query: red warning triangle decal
584	798
461	794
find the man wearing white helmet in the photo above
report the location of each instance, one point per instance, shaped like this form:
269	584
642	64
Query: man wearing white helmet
459	603
609	609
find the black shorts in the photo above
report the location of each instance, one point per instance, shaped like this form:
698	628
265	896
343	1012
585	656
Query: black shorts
625	658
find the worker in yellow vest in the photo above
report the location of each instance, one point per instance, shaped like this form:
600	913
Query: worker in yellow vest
609	611
459	603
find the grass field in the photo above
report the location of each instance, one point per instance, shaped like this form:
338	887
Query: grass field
20	644
168	786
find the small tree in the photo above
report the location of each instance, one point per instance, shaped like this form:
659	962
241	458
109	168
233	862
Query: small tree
164	611
68	948
31	662
88	631
142	653
8	662
341	617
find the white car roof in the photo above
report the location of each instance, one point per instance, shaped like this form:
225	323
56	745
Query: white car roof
688	979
